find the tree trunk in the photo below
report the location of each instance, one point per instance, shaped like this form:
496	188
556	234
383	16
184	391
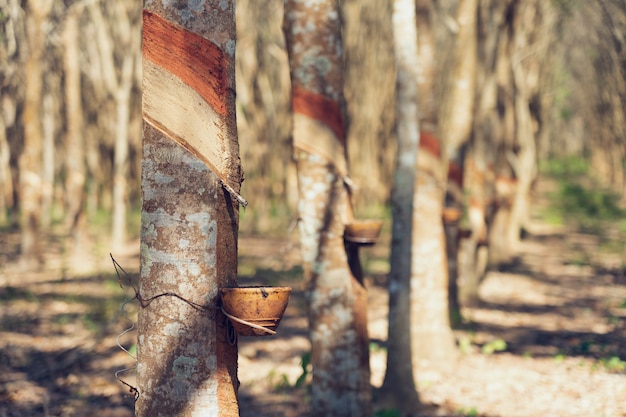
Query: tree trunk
456	130
120	163
337	299
478	172
525	70
31	159
433	342
5	174
398	390
75	141
12	58
48	119
505	182
187	361
474	248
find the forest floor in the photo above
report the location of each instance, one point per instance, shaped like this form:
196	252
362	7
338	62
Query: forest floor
549	338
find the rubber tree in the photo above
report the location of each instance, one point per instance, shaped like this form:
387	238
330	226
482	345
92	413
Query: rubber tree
606	120
532	27
433	342
478	170
336	297
505	183
398	390
30	161
75	166
456	129
529	31
187	359
11	59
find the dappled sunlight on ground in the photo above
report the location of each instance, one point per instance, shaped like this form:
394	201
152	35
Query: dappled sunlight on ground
548	339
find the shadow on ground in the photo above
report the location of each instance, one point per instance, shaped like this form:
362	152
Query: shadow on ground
58	353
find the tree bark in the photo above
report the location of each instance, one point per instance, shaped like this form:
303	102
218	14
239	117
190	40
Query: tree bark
30	161
478	173
336	298
5	174
524	159
13	55
187	361
456	130
505	182
398	390
433	342
121	162
74	142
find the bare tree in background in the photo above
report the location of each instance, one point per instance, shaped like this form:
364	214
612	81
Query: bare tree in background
398	390
337	299
479	179
187	361
519	66
114	43
32	156
75	176
9	63
456	123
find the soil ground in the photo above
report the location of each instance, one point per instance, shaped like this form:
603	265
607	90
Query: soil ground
549	338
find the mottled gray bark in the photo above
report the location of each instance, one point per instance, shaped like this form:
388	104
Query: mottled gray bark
337	299
187	363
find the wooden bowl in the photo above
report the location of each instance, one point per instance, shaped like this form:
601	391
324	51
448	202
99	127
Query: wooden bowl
363	231
255	311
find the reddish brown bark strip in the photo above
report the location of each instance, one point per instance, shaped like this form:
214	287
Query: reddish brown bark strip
430	144
197	61
319	108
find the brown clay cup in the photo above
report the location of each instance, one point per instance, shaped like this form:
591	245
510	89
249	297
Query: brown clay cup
259	306
363	231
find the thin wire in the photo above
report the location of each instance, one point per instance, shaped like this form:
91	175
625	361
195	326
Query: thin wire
133	390
118	268
247	323
128	330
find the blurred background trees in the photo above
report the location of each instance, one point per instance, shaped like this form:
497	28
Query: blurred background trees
70	131
548	83
70	126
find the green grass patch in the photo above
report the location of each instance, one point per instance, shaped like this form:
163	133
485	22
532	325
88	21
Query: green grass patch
613	364
468	412
377	347
497	345
579	201
565	167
